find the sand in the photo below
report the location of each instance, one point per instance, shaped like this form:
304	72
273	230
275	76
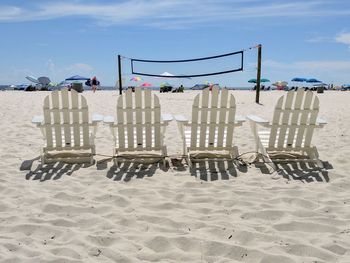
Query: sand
145	213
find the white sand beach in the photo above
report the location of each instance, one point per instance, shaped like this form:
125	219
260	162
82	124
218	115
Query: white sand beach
147	213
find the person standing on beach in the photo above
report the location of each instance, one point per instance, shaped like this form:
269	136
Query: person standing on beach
94	84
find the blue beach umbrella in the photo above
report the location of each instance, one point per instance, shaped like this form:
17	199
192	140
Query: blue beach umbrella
298	79
313	81
261	80
76	77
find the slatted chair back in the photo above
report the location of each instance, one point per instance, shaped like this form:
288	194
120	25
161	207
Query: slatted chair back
294	120
213	120
139	121
66	120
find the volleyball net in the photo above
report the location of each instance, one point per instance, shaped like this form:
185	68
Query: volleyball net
189	68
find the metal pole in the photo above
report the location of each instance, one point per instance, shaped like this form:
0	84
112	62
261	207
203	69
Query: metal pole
120	75
258	75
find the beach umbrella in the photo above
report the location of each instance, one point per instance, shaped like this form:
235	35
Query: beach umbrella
77	77
167	74
261	80
298	79
32	79
135	79
313	81
165	84
280	83
146	84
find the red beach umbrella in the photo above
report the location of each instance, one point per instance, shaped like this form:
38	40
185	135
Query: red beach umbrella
146	84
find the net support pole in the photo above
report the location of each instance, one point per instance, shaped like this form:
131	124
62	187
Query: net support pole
258	75
120	75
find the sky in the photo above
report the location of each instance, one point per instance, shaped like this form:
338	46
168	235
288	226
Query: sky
59	39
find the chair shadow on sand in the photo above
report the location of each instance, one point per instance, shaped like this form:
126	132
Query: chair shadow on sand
127	171
52	171
216	170
301	171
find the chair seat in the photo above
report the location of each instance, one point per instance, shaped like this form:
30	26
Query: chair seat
264	136
188	134
71	144
143	142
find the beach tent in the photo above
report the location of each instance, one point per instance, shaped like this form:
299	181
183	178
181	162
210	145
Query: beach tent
76	77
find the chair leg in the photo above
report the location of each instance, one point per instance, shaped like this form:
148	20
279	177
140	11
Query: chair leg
267	159
234	152
313	154
115	159
189	162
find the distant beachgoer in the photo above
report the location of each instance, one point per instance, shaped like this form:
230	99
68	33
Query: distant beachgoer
94	84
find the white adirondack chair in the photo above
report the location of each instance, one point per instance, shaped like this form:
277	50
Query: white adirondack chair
65	127
139	129
212	126
291	129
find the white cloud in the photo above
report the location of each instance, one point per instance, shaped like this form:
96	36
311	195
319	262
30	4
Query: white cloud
50	66
15	75
79	68
170	13
50	69
343	38
319	39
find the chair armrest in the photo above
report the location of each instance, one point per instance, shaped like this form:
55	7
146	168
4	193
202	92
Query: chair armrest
240	119
181	118
257	119
108	120
38	120
320	122
167	117
97	118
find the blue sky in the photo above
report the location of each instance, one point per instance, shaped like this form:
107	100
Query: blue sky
63	38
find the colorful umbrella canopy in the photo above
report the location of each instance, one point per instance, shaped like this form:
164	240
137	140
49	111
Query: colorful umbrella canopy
146	84
261	80
135	79
313	81
297	79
